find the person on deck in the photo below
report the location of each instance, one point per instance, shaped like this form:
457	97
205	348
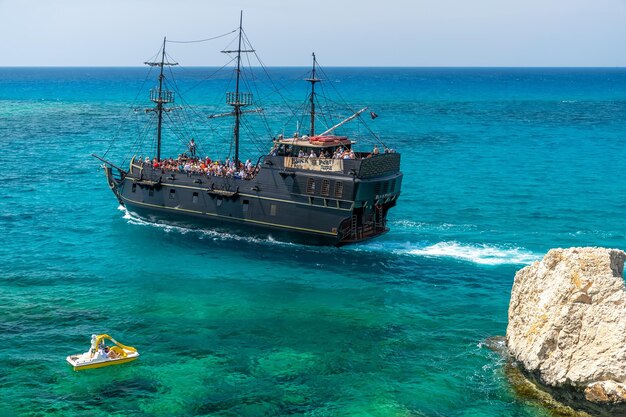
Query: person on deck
192	147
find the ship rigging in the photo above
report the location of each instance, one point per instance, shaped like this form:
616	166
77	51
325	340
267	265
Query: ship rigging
314	189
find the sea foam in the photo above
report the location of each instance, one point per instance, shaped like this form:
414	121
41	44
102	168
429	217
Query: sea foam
135	219
482	254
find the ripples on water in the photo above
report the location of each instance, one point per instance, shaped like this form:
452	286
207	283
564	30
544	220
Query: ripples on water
500	165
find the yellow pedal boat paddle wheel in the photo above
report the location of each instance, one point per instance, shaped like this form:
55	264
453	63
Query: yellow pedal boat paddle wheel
100	355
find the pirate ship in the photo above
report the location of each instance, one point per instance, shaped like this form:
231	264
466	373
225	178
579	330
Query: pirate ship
313	188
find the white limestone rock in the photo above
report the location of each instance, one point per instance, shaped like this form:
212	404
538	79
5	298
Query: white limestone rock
567	322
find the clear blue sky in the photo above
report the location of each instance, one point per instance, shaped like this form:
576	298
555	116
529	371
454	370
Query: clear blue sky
285	32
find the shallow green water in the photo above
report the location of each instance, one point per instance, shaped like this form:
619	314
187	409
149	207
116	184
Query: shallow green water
500	165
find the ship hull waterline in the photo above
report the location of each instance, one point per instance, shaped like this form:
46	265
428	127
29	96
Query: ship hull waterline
237	227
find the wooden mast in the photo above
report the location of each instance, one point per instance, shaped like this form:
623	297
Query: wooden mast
160	103
237	99
237	108
313	80
160	96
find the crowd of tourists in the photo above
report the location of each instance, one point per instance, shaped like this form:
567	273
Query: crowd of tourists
340	152
204	166
191	164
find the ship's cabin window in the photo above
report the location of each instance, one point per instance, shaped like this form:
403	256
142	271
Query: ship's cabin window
273	209
172	193
194	197
133	188
338	189
325	187
310	186
245	203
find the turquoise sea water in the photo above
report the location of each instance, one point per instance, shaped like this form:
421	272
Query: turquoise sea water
500	165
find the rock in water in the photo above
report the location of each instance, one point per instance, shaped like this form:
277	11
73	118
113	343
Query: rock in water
567	323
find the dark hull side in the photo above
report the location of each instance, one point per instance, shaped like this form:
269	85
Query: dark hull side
231	226
316	208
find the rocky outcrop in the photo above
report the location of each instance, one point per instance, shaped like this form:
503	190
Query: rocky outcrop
527	390
567	323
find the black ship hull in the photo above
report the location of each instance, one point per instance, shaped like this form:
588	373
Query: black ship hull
289	199
233	226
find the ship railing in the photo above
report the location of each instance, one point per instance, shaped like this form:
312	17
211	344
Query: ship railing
162	96
149	170
378	165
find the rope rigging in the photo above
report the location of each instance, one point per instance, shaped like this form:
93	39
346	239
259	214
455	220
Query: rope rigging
183	121
130	110
360	118
207	39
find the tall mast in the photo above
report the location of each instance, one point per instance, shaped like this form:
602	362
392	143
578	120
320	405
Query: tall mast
313	80
160	103
237	108
237	99
160	96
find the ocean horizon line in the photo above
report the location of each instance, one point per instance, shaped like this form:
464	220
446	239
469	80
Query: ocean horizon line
333	66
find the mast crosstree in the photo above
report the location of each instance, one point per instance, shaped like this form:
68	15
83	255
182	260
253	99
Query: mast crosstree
160	96
238	99
313	80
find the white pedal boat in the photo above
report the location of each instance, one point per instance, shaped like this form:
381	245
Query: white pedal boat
100	354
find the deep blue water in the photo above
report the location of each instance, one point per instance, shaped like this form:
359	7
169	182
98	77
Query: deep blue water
500	165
